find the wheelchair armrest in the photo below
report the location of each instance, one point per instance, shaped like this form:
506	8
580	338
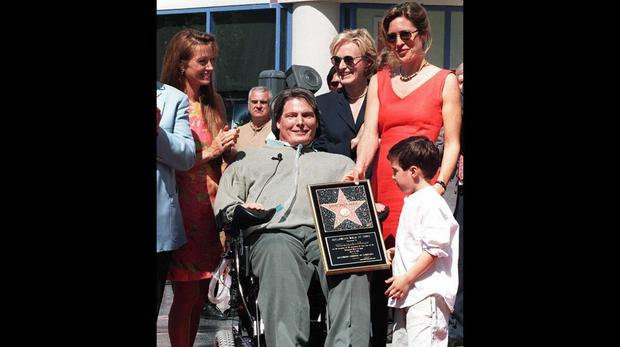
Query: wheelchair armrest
383	215
244	218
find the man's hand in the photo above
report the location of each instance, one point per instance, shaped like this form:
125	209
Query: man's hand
254	206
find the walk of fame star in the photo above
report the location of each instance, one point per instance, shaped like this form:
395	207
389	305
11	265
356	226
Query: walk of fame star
344	209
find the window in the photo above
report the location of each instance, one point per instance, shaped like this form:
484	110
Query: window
256	38
446	28
168	25
456	39
247	47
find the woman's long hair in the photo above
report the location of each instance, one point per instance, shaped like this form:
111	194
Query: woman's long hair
178	54
417	15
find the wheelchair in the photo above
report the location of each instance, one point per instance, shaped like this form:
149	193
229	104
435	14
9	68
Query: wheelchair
244	287
247	330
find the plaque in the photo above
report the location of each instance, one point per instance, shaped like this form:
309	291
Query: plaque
347	227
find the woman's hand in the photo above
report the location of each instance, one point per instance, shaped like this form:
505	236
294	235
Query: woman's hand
232	135
439	188
354	142
224	140
354	175
357	138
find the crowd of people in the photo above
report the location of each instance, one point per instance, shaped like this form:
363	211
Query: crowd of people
391	117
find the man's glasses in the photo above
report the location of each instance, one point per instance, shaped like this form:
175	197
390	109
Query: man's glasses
255	102
404	35
348	60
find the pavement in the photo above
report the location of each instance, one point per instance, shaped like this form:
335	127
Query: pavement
206	331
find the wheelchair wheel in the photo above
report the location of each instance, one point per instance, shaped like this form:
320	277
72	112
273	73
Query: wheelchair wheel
225	338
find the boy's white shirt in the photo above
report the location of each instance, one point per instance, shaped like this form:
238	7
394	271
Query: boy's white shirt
426	225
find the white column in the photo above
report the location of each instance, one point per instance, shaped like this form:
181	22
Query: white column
314	25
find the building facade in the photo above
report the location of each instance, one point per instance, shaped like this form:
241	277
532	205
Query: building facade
258	35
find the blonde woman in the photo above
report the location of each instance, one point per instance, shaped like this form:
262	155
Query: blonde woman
342	111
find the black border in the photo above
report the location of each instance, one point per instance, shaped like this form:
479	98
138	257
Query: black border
88	115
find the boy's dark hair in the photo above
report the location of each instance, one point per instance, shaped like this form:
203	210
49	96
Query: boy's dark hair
418	151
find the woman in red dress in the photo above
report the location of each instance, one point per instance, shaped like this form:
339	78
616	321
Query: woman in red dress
410	96
188	65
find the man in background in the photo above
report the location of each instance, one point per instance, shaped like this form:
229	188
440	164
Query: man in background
254	133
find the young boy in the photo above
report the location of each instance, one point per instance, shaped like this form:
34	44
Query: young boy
424	261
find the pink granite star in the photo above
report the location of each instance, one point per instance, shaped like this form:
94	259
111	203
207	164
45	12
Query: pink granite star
344	209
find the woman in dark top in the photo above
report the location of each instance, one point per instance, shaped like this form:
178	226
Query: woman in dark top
342	111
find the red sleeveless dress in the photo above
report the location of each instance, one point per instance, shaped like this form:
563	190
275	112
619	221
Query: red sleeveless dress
418	113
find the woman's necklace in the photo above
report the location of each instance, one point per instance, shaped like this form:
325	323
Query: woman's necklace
407	78
354	98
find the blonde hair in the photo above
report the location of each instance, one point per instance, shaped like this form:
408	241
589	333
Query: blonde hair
362	39
178	53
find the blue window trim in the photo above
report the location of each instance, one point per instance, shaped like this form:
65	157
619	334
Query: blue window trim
279	8
343	17
277	39
181	11
289	35
348	15
353	19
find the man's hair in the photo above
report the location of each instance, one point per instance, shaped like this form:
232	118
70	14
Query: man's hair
418	151
260	89
277	105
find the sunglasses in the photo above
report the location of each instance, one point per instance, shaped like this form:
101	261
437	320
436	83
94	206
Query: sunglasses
334	84
348	60
404	35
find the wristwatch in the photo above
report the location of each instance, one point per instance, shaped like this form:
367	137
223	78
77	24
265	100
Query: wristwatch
442	183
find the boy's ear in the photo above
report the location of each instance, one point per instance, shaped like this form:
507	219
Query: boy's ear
414	170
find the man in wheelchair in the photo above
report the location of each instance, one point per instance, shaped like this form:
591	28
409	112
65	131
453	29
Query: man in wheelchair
284	252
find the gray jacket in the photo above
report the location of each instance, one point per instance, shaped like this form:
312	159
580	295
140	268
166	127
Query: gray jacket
268	175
